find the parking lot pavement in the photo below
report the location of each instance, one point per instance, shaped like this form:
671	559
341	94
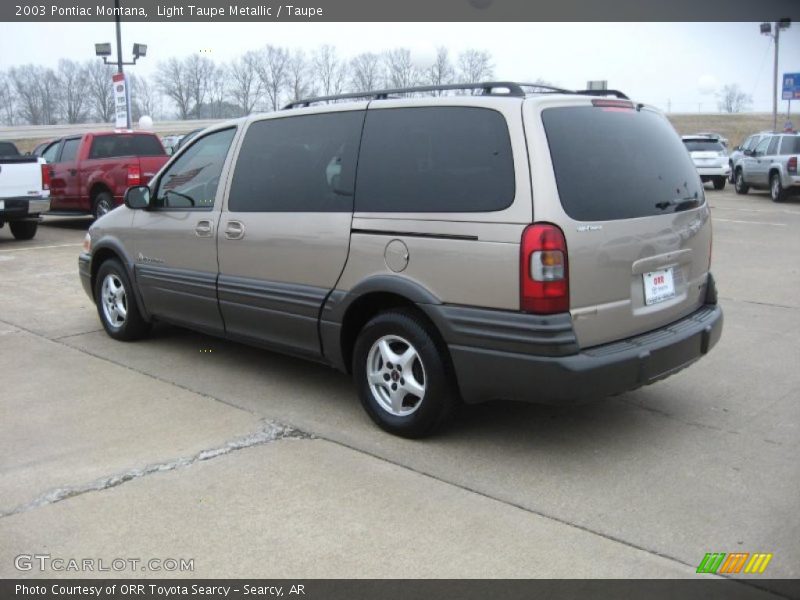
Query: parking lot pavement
649	481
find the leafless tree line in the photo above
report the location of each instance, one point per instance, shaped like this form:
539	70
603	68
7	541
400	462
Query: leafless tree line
196	87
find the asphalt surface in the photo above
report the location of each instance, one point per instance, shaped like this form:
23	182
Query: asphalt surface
255	464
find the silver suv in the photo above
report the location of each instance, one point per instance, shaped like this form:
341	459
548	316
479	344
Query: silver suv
772	165
548	247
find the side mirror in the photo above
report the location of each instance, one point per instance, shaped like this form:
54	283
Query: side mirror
137	197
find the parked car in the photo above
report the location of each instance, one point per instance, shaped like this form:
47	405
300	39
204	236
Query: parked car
547	248
771	165
185	139
739	151
89	173
170	143
710	158
24	191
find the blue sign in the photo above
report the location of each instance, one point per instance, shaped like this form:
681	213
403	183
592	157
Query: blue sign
791	86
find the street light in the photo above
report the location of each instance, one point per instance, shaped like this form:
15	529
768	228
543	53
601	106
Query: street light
766	29
102	50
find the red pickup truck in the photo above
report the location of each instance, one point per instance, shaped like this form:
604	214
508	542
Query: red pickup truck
89	173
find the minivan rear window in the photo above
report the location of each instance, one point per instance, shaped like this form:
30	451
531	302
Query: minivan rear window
613	163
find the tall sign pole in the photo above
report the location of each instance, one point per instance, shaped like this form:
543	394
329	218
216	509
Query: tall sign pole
774	80
122	79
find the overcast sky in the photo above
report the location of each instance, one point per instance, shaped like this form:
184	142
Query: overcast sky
652	62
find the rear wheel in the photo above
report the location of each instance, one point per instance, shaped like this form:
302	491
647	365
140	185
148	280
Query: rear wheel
116	303
102	205
719	183
739	185
23	230
776	191
402	375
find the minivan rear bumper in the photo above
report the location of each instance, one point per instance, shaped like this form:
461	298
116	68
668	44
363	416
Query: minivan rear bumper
487	374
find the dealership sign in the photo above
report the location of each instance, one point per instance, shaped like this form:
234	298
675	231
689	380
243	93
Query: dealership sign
122	100
791	86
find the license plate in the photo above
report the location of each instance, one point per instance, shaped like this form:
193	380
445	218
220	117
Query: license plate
658	286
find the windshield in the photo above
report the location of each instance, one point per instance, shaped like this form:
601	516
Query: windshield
613	163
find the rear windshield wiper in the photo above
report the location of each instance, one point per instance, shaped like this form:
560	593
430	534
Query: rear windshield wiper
679	203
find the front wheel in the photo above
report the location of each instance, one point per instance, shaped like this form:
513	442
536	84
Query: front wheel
776	191
739	185
719	183
402	375
116	303
23	230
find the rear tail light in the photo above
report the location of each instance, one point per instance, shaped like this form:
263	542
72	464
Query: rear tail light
134	175
543	270
45	177
791	166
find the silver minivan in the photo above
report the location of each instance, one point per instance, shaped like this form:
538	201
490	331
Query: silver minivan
511	242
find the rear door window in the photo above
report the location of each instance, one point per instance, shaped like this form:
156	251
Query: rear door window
616	163
773	146
70	150
790	145
435	159
298	164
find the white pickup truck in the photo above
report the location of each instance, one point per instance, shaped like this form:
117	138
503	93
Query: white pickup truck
24	191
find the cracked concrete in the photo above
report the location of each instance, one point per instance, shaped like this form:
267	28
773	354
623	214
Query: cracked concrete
270	433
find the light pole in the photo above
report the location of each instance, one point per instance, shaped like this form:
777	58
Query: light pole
104	51
766	29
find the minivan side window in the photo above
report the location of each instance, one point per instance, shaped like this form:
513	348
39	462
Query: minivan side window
435	159
298	164
790	144
191	181
70	151
773	146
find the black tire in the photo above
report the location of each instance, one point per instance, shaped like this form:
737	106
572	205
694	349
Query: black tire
738	183
132	325
439	399
23	230
103	204
719	183
732	175
776	191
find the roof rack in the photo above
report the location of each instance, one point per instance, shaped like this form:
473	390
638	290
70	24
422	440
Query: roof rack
487	88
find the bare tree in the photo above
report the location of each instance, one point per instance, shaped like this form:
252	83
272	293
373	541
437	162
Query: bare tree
365	72
475	66
36	89
7	100
733	100
441	72
273	71
218	93
73	81
300	82
245	84
328	71
174	82
145	97
100	94
199	72
400	70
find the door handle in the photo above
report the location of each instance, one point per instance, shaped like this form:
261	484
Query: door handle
234	230
73	171
203	229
